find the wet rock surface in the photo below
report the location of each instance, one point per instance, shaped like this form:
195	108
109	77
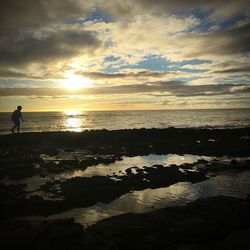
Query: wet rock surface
203	224
215	223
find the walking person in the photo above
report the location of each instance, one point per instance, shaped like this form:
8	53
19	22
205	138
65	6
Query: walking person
15	118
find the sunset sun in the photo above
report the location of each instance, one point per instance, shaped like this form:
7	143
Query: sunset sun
75	82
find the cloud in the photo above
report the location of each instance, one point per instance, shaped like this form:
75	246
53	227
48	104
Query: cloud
233	70
229	42
217	8
60	45
170	88
145	32
171	36
99	75
16	14
240	89
4	73
144	41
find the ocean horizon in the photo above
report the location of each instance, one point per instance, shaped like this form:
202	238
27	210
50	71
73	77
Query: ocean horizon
78	121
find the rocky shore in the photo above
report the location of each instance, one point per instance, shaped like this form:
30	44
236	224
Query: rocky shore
139	141
213	223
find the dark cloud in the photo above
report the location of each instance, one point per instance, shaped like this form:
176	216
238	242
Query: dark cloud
173	88
99	75
12	74
222	7
212	9
4	73
54	46
21	20
229	42
233	70
16	14
140	88
40	92
174	102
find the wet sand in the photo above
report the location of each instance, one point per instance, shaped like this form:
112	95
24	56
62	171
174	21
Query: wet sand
212	223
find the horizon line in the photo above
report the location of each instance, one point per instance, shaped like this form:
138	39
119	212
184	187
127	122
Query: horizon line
125	110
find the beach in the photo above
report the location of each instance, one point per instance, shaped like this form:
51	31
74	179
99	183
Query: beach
44	174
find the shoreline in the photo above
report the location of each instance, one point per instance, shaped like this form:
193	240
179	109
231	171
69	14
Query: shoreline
234	142
126	110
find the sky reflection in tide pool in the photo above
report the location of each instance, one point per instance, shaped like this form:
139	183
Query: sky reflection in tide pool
227	184
119	167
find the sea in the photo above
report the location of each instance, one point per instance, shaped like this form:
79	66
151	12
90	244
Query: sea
79	121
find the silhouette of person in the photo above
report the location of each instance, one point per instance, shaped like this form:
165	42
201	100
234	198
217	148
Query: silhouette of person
15	118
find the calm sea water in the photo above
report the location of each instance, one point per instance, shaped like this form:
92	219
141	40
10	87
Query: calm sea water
86	120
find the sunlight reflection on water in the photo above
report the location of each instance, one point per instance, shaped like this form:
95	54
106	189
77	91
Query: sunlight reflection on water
73	124
73	121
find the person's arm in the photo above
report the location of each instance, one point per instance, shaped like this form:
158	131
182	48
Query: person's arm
21	116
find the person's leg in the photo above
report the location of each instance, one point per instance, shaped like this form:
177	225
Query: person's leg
16	125
12	130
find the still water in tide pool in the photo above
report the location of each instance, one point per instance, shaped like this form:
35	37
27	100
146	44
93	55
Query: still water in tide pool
226	183
181	193
118	168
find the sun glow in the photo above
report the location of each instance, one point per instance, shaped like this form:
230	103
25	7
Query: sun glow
75	82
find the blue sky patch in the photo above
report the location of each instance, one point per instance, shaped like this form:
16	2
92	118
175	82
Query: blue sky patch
99	15
157	63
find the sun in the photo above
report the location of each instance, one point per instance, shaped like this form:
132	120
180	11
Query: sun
75	82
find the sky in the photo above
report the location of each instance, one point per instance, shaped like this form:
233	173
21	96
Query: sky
59	55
